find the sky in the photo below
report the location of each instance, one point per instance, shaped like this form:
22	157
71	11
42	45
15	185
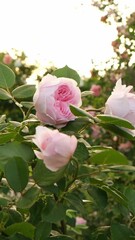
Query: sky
61	32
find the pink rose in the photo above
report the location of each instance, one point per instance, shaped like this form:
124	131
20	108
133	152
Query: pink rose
121	103
96	89
53	97
125	147
56	148
95	131
7	59
80	221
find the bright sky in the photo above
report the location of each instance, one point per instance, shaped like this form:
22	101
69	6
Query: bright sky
58	31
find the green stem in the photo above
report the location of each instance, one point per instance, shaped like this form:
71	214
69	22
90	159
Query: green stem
16	103
19	106
28	112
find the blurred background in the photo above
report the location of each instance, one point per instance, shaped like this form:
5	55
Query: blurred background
61	32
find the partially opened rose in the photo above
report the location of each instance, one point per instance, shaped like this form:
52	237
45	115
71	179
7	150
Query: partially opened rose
121	103
56	149
53	97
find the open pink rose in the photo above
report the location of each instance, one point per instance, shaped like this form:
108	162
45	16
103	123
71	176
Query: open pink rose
56	148
7	59
121	103
53	97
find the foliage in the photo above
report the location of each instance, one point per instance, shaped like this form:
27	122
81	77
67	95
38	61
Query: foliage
37	203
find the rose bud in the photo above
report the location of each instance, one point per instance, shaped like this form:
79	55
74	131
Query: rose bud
56	149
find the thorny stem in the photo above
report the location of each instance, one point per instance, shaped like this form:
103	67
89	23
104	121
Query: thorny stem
19	106
28	112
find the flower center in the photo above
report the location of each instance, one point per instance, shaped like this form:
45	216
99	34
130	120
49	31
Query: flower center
63	93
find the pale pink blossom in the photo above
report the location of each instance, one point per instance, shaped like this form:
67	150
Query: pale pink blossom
95	131
56	149
7	59
53	97
80	221
96	90
125	147
121	103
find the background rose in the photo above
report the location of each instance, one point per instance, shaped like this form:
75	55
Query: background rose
7	59
53	97
121	103
56	148
96	90
80	221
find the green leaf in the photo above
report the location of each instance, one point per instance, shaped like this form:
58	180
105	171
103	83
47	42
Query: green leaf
24	91
60	237
81	152
78	125
117	130
4	202
76	202
53	212
16	236
27	104
123	168
117	195
17	174
45	177
35	211
86	93
121	122
28	198
99	196
68	73
15	149
130	195
7	77
4	217
121	232
24	228
43	230
4	95
14	217
79	112
108	156
6	137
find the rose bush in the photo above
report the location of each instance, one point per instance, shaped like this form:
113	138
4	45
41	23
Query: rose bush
59	184
53	97
56	148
